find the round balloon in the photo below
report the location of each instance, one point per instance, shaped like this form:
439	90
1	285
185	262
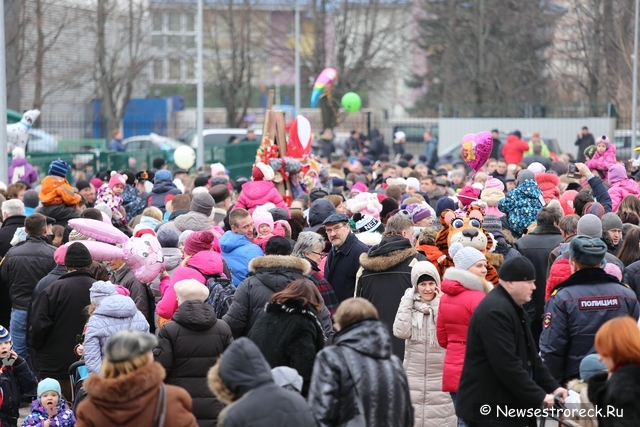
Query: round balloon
351	102
184	157
476	149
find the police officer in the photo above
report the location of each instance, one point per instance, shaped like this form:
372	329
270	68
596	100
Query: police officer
579	306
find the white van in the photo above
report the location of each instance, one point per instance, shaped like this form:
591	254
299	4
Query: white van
213	137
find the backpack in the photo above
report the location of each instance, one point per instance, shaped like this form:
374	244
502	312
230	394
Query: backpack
221	292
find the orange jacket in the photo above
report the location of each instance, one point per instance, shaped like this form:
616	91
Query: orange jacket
57	190
433	254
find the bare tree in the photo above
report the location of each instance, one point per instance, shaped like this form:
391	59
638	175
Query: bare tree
122	54
16	23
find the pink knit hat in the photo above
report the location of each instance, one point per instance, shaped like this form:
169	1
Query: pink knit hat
613	270
199	241
58	255
467	195
116	179
359	187
494	183
261	217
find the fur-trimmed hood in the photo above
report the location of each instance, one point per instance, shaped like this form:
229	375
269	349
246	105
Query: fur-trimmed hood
278	262
125	390
456	280
384	261
369	239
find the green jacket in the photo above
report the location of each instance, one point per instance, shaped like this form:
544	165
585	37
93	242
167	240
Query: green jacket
545	149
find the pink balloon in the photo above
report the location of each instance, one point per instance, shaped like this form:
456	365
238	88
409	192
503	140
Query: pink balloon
144	257
476	149
101	251
98	230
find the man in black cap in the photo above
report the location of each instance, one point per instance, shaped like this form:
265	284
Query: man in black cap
343	261
579	306
57	317
158	164
87	191
501	364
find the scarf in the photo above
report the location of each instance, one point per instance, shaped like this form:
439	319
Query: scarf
18	173
420	309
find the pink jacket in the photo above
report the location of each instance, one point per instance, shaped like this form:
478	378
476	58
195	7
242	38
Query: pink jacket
258	193
463	291
604	160
622	189
208	262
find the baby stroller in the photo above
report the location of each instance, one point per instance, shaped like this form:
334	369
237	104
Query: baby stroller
78	372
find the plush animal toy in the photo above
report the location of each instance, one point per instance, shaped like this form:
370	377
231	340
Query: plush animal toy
466	230
143	254
18	133
366	204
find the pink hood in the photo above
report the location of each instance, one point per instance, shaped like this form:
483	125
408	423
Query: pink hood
258	193
617	173
622	189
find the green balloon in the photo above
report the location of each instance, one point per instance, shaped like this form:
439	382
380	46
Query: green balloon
351	102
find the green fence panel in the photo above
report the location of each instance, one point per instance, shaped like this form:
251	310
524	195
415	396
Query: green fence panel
82	144
119	160
238	158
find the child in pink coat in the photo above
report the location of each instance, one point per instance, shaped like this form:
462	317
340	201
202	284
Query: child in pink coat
260	191
621	186
603	157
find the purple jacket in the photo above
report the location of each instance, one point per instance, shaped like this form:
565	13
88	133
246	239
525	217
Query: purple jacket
29	175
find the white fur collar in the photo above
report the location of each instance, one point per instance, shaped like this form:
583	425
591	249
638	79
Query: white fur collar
465	278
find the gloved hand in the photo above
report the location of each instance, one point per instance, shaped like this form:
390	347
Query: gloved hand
409	293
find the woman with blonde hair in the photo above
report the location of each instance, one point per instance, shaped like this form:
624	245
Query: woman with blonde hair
423	357
130	390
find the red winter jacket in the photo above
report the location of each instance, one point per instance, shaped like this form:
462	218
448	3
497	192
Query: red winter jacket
463	291
549	184
514	149
559	272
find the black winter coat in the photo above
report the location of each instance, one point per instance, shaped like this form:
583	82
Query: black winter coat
7	231
57	316
61	213
583	142
257	400
384	277
14	382
536	246
24	266
574	313
342	266
501	365
622	391
633	277
376	376
289	335
160	191
267	275
187	347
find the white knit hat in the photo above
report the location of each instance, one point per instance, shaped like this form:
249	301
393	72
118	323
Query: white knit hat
464	257
537	168
413	183
190	290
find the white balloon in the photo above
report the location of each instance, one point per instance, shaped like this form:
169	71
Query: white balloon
184	157
304	131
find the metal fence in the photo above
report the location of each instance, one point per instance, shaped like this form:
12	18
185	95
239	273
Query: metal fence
527	110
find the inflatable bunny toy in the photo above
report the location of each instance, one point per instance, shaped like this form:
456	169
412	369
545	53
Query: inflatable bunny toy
18	133
143	255
366	204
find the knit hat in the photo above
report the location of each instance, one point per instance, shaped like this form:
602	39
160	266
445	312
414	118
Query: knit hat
18	153
261	217
358	187
100	290
163	175
594	208
190	290
279	214
418	212
48	384
167	238
457	172
368	224
494	183
492	223
524	175
220	193
262	171
611	221
200	181
59	254
82	184
30	199
444	204
590	225
184	235
131	176
537	168
158	162
278	245
589	366
116	179
199	241
587	250
566	201
217	168
589	151
603	140
517	269
202	203
413	183
4	334
464	257
59	168
617	173
77	256
468	195
613	270
127	345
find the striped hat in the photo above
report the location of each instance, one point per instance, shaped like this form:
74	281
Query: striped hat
4	334
59	168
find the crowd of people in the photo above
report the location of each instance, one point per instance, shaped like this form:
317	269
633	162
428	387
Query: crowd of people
396	293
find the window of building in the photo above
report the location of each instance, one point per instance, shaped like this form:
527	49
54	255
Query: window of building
175	69
158	70
191	70
157	21
156	41
174	21
190	42
174	41
189	22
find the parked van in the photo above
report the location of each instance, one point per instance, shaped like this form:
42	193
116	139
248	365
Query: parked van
213	137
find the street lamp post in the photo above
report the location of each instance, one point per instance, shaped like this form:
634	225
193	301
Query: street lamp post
634	96
3	101
297	57
200	95
276	73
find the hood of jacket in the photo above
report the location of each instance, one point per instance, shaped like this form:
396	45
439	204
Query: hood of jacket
207	262
374	133
455	281
243	367
149	222
529	189
628	185
491	196
547	181
424	267
125	389
617	173
368	337
176	214
60	212
391	251
277	271
256	190
192	221
37	408
319	211
118	306
195	315
172	258
17	162
231	241
370	239
162	187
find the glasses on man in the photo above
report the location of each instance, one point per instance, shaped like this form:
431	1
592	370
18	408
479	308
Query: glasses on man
334	229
